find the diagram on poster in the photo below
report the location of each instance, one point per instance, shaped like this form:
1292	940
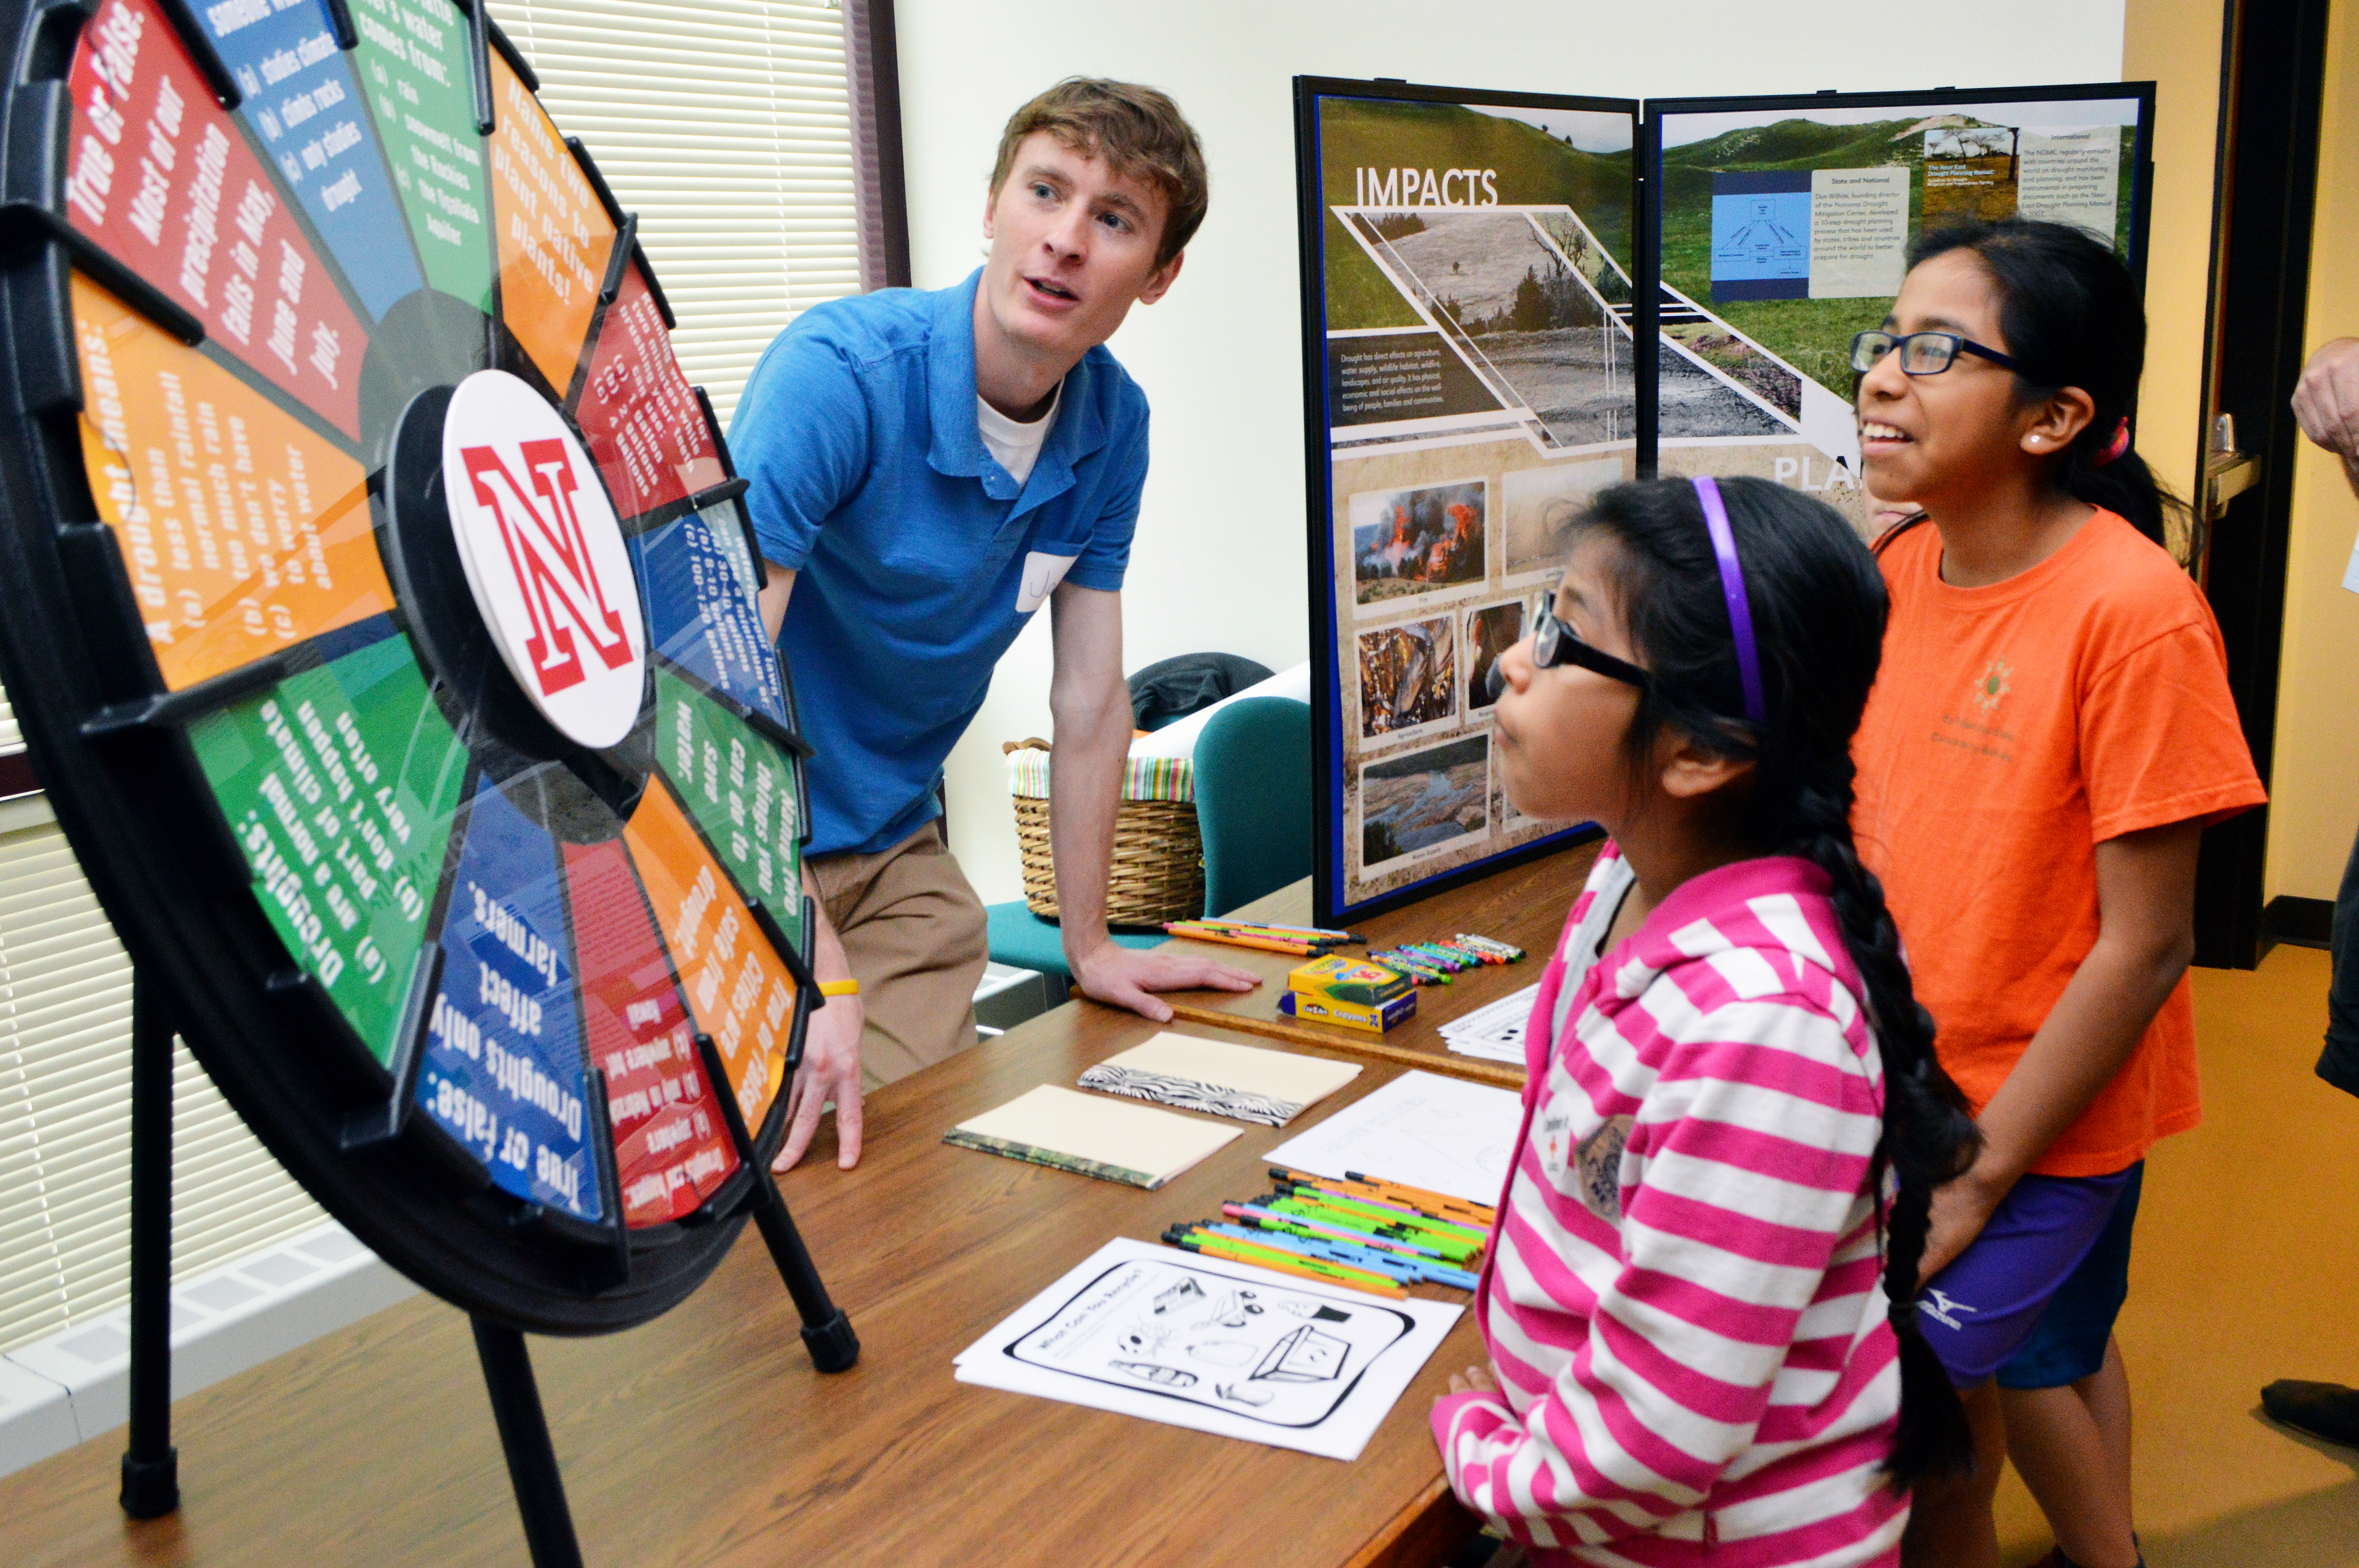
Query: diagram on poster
1227	1348
1785	228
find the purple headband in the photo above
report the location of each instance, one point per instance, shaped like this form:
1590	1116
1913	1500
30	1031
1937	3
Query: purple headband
1731	589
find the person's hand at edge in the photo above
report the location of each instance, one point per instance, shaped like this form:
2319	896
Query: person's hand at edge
1960	1209
831	1071
2326	402
1125	977
830	1067
1473	1380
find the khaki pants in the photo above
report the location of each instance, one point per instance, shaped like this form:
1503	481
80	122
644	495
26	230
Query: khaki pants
913	931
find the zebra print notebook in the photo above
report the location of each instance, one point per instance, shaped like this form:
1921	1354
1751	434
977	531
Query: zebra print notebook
1244	1081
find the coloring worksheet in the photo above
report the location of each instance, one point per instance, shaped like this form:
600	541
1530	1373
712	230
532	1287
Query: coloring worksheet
1222	1347
1494	1033
1422	1130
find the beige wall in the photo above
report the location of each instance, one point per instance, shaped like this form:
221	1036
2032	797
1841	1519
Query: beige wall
2316	789
2176	44
1220	562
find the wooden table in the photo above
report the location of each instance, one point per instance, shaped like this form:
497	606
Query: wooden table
704	1437
1524	906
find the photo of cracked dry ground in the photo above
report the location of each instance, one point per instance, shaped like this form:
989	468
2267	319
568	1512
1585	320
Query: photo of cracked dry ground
1429	797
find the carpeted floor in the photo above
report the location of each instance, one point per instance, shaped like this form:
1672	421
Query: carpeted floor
2246	1270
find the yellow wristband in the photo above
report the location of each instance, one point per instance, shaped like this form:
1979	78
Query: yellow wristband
838	987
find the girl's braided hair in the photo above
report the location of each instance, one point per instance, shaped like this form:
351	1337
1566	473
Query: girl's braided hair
1818	607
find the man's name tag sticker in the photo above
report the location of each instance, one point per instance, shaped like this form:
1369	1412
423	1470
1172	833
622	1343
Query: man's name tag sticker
1042	573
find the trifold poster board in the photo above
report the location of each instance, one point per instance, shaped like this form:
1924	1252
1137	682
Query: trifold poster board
1512	300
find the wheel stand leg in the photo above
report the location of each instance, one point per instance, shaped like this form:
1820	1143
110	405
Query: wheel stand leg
523	1438
151	1466
827	1332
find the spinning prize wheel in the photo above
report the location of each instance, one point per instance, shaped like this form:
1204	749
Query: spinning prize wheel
382	610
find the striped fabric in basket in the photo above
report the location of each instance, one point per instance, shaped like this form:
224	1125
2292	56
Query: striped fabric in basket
1169	779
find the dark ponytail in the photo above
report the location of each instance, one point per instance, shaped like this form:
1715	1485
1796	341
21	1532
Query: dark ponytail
1817	606
2071	315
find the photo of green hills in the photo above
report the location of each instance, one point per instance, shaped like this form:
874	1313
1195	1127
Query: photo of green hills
1532	169
1812	335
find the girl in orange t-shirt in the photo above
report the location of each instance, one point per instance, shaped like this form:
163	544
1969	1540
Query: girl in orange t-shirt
2051	731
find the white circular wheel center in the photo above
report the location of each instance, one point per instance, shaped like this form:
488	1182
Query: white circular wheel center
544	558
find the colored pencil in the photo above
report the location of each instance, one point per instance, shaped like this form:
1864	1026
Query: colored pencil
1438	1203
1332	1232
1197	934
1455	1249
1235	1251
1366	1254
1395	1210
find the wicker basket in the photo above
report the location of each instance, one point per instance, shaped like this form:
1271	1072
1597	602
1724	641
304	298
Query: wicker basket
1157	867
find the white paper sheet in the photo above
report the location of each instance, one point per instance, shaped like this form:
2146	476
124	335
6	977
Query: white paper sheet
1494	1033
1421	1130
1214	1346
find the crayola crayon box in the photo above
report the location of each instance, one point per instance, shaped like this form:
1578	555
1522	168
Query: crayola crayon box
1366	1017
1351	980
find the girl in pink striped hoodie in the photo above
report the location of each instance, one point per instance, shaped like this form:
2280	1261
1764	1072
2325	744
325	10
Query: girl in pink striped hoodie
1699	1303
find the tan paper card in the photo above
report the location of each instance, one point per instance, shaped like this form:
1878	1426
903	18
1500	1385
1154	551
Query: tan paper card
1097	1137
1246	1082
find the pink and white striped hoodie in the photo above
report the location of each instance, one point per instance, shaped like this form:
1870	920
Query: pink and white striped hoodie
1682	1299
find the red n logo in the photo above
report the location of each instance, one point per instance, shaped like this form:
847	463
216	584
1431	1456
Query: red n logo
551	561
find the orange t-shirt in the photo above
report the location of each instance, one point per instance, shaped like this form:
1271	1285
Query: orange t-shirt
2012	729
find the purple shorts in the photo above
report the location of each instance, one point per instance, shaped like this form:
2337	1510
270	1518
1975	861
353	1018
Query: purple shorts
1982	1310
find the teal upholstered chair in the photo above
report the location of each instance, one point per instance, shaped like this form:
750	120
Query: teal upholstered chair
1253	799
1253	808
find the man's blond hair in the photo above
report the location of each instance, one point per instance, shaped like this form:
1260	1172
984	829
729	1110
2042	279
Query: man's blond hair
1137	131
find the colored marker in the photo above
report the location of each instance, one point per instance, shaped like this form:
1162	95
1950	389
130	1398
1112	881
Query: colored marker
1507	950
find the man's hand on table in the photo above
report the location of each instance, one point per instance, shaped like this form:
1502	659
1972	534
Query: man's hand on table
1125	977
831	1071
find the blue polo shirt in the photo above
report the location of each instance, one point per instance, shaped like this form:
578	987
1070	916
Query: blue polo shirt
918	557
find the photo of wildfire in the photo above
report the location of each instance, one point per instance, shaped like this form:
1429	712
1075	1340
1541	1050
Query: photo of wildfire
1407	542
1409	676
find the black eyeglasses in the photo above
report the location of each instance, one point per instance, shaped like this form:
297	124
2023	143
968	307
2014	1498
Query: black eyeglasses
1554	643
1921	353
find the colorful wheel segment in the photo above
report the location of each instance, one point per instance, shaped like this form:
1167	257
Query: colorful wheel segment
436	566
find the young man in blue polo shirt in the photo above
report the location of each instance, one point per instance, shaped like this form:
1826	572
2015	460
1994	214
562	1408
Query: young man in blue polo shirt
928	468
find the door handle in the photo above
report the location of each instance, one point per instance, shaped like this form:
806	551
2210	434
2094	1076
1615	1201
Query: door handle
2227	473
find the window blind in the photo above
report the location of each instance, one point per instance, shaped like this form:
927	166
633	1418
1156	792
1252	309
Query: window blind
11	740
725	126
65	1115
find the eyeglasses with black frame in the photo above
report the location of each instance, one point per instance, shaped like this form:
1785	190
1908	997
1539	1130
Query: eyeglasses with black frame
1554	643
1921	353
